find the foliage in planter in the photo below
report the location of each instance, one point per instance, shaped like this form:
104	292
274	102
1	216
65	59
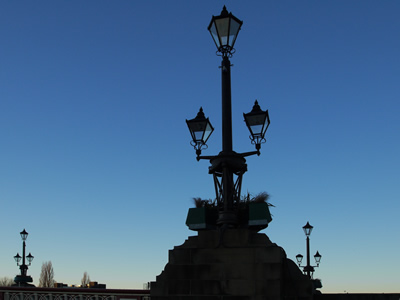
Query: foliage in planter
253	212
203	216
198	202
243	208
317	284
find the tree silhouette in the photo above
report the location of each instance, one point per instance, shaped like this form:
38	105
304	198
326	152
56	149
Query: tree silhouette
47	275
85	280
6	281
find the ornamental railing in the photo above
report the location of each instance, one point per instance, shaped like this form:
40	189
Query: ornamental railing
11	293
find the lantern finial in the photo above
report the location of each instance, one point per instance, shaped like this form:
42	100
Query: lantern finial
224	12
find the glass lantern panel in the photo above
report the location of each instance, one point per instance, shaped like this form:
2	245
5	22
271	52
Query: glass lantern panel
201	130
214	35
198	135
233	32
207	132
223	27
258	119
197	129
256	123
256	129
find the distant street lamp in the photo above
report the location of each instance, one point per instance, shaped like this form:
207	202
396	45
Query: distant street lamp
23	279
308	269
227	164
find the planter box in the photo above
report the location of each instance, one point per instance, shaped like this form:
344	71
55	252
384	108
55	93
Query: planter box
259	215
256	217
201	218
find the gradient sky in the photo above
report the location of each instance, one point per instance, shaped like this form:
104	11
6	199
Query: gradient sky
95	157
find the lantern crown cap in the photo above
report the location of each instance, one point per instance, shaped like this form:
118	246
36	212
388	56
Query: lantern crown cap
256	107
224	12
200	114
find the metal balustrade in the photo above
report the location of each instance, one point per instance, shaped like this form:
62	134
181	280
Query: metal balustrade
18	293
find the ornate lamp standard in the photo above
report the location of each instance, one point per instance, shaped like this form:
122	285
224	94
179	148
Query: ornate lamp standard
227	164
308	269
23	279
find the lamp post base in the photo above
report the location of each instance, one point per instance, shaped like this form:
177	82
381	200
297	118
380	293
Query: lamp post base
241	264
227	218
22	280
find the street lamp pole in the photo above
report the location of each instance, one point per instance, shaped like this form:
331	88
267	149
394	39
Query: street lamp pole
23	267
226	105
23	279
227	164
308	269
308	257
227	216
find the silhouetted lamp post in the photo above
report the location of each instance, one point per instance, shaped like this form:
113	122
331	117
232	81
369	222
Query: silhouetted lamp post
227	164
308	269
23	279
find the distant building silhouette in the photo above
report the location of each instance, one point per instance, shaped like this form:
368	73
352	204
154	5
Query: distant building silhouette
91	285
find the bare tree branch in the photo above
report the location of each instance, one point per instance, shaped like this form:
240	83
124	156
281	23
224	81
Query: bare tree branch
6	281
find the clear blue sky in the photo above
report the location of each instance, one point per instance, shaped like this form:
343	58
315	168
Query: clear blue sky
95	157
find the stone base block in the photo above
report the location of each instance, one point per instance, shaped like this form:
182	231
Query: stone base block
230	264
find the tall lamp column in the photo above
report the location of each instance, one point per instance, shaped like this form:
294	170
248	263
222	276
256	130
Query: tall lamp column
308	269
23	279
227	164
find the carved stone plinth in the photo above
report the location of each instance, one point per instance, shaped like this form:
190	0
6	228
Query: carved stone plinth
230	264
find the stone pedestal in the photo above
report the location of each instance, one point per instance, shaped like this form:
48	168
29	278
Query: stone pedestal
230	264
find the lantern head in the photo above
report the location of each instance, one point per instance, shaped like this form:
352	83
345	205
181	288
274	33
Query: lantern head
258	122
29	258
24	235
307	229
299	259
317	257
17	258
200	129
224	30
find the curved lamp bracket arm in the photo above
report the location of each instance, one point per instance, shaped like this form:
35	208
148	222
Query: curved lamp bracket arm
245	154
205	157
